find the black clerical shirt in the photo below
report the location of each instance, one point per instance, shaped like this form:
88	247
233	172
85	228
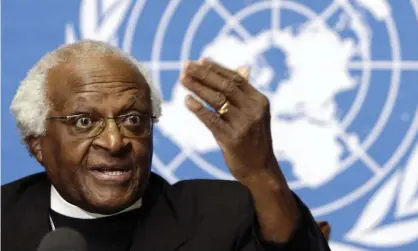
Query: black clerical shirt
113	233
191	215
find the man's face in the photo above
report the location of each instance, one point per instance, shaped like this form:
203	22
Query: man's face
108	172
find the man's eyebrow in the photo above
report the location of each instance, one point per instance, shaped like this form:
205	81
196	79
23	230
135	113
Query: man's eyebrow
80	99
74	104
133	103
83	103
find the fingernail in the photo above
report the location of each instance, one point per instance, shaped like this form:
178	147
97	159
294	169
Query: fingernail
192	103
248	68
244	71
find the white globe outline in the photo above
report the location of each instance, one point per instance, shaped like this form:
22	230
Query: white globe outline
311	15
360	97
194	24
302	9
414	5
348	198
363	87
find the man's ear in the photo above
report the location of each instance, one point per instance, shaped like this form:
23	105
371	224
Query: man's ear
35	147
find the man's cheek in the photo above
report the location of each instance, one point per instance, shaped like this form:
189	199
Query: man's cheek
77	154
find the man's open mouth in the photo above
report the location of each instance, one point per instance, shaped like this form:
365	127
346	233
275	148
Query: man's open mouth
111	174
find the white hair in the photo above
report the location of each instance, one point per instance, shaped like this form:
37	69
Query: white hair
30	106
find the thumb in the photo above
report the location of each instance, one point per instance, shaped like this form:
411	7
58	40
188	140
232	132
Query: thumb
244	71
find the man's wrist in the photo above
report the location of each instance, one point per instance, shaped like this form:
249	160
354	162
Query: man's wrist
269	179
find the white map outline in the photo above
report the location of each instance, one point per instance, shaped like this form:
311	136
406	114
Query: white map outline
213	170
399	65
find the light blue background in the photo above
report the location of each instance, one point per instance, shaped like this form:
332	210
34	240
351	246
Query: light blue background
32	28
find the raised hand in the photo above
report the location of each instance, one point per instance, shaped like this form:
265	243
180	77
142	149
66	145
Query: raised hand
241	120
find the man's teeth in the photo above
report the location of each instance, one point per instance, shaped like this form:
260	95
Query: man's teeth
113	173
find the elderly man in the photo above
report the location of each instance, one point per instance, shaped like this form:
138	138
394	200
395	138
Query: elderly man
86	112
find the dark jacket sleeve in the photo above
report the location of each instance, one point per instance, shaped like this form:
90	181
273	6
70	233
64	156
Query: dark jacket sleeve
306	236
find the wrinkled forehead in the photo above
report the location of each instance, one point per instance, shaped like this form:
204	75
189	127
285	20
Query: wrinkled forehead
96	80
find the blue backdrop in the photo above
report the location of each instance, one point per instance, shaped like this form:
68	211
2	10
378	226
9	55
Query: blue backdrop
342	77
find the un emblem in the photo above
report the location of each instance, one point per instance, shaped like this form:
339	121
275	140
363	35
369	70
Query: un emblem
344	116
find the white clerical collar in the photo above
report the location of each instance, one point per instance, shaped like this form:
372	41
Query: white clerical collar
61	206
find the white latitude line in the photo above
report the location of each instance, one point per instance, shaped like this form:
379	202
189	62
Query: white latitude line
229	18
369	161
275	15
164	65
330	10
159	166
362	155
209	168
176	162
353	65
324	15
383	65
414	4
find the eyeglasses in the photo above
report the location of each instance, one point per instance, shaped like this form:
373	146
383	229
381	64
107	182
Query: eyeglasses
89	126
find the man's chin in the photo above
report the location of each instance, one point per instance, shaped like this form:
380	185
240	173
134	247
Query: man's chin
109	206
109	199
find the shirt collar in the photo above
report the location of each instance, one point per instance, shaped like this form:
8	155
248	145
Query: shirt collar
61	206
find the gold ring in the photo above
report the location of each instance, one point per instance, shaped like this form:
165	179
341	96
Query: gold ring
224	108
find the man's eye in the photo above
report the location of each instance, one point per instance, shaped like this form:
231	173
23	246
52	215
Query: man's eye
132	120
84	122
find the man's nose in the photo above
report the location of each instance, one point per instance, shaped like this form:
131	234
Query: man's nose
111	138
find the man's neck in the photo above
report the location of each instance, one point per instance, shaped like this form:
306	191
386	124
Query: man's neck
61	206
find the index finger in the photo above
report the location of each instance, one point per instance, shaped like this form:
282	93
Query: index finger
223	71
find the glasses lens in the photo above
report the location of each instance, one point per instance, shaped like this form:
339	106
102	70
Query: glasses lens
129	126
96	130
84	126
135	128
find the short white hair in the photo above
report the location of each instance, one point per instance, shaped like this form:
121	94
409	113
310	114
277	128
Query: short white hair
30	106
